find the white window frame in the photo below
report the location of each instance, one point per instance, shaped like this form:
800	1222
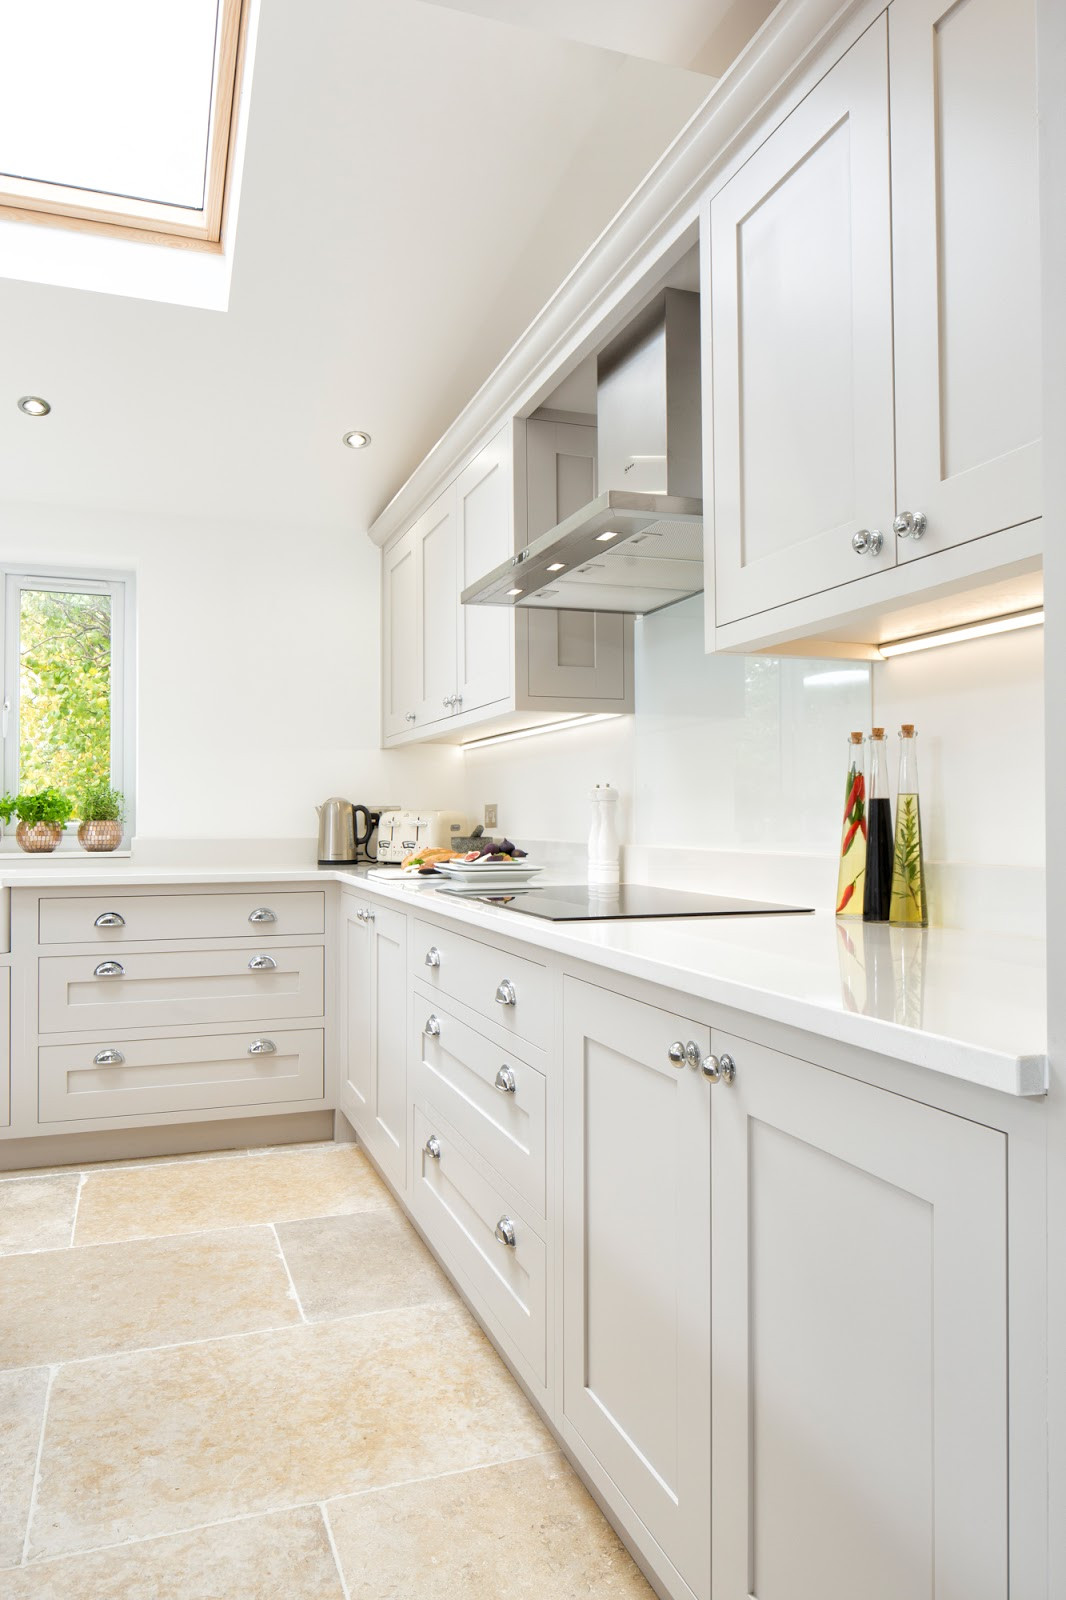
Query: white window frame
121	587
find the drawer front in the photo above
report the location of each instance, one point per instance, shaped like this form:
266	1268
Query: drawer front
490	1095
475	973
105	990
134	1078
106	918
460	1212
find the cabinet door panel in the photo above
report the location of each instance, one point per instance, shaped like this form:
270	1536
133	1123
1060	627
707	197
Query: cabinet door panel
356	1089
436	581
485	511
390	1041
966	266
402	643
637	1263
801	346
859	1377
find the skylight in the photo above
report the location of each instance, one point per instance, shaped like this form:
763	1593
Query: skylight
118	112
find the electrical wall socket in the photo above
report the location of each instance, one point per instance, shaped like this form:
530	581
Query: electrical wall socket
490	816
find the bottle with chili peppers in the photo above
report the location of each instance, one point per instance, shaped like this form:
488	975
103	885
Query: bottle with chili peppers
877	890
850	878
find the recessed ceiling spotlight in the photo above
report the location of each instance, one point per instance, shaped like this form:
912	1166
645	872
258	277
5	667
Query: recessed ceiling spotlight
557	566
31	405
602	538
357	439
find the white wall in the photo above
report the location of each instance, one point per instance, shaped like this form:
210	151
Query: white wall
258	675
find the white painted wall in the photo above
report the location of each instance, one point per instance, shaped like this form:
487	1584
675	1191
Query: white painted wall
258	674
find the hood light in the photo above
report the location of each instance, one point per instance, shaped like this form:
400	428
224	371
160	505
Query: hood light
557	566
602	538
357	439
514	591
31	405
966	630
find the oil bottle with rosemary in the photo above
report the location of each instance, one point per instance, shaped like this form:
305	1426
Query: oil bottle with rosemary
877	887
853	839
909	907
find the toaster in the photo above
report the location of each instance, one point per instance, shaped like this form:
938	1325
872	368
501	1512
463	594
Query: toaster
400	832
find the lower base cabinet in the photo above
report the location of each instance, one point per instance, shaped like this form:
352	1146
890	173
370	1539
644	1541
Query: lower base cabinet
859	1341
637	1264
373	1023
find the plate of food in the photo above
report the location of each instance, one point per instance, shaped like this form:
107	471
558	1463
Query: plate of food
495	859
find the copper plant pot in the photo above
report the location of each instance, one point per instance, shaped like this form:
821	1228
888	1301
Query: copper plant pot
42	835
98	835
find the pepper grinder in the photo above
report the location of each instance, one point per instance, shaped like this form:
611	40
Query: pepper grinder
603	869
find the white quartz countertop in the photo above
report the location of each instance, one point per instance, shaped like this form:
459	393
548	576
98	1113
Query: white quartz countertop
972	1006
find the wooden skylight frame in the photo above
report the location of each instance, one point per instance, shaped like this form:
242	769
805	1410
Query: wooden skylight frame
154	222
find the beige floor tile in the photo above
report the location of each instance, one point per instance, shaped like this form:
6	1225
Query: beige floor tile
344	1266
193	1196
523	1531
60	1305
36	1213
22	1396
120	1161
158	1441
282	1557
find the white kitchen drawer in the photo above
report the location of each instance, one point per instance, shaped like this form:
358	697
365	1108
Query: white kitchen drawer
467	1078
459	1212
475	974
106	918
109	989
79	1082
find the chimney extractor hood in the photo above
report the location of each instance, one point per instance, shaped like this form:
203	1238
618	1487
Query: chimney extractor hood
639	545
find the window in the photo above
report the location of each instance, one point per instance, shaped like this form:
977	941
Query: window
119	113
68	702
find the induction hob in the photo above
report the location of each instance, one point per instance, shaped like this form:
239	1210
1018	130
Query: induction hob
579	903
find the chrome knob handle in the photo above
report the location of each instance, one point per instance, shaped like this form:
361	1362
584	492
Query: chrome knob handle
432	956
457	701
910	524
262	914
410	717
262	1047
433	1147
108	1058
505	1081
262	964
505	993
867	542
676	1053
110	919
505	1232
110	969
432	1027
368	916
719	1069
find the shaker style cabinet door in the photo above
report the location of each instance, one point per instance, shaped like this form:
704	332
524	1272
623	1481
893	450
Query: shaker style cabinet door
636	1264
859	1341
402	641
373	1091
800	348
966	268
435	554
484	499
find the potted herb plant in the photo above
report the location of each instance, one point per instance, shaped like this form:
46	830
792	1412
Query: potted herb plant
42	818
102	811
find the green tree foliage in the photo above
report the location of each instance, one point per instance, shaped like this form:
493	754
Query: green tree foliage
65	691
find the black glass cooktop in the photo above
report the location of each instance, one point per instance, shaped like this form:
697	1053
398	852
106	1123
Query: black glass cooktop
579	903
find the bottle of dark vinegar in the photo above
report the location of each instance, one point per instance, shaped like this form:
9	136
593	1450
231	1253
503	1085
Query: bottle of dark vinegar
877	893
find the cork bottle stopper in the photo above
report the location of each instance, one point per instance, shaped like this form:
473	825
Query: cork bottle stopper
907	730
856	738
877	733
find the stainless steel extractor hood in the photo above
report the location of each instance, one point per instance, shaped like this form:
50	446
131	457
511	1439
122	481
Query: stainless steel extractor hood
639	545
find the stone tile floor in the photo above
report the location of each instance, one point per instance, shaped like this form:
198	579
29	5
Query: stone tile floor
242	1377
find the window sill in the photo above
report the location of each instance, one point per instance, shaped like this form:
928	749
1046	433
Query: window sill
10	851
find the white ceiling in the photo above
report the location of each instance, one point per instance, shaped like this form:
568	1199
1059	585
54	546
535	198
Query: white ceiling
417	182
703	35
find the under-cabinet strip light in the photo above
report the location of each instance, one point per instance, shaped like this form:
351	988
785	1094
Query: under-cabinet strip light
543	727
966	630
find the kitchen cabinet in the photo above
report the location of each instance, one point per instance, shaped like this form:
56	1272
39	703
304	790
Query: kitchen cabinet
965	267
859	1340
873	349
449	668
637	1265
373	1018
800	347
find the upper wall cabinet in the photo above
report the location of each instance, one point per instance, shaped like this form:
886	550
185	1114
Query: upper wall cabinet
873	359
447	667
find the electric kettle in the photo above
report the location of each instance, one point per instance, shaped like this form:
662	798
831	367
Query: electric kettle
339	839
